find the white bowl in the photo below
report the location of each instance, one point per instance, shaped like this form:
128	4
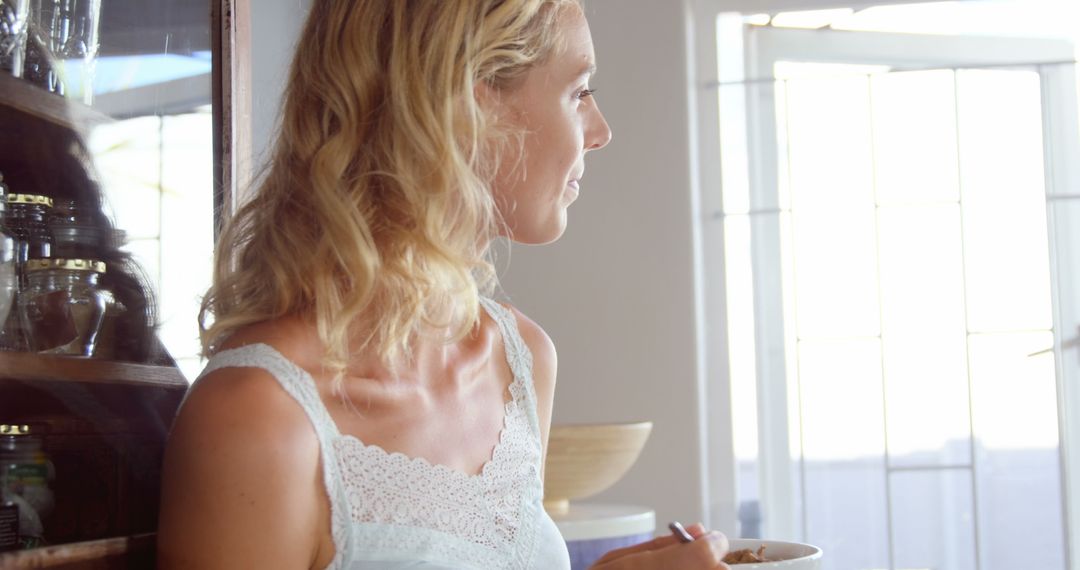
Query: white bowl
787	555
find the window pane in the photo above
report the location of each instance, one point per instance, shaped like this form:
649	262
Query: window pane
127	155
846	512
829	143
187	231
840	392
915	137
843	451
835	272
933	519
1018	481
1004	204
924	336
1008	383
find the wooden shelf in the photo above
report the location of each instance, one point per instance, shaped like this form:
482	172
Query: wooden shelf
121	552
103	426
28	98
30	367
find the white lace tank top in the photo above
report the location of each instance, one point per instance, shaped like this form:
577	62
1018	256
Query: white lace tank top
390	511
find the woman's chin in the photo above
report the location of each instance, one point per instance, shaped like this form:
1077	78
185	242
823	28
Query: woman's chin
541	235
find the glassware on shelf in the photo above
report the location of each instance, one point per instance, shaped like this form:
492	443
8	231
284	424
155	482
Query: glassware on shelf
65	310
75	232
68	32
13	18
8	281
25	472
25	219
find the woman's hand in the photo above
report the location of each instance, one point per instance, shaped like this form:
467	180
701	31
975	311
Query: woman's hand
706	553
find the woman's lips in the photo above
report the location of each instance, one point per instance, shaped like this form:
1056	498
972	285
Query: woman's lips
572	189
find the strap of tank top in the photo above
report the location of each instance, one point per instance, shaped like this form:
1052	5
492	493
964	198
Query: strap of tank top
293	379
519	357
517	353
299	384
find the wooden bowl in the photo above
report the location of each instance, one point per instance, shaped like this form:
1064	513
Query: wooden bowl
585	459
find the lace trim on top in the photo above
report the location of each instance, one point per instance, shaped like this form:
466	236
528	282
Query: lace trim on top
495	510
493	515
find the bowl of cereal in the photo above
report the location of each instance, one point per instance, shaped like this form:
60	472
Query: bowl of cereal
760	554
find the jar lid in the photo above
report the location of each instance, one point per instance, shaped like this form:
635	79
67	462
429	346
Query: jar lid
22	429
29	199
61	263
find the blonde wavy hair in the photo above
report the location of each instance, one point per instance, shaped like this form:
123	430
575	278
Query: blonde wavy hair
375	209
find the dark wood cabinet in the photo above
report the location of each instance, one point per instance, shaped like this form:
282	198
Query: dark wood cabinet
102	423
103	426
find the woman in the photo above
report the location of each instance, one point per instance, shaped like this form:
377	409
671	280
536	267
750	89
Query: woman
365	406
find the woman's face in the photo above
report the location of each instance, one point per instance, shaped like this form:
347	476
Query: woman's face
561	121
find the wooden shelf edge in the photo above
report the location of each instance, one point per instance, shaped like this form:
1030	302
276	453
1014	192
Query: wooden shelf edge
29	367
32	100
78	552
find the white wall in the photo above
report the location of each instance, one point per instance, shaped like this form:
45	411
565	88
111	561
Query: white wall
275	29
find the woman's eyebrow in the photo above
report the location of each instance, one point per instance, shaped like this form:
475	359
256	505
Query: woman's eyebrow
589	69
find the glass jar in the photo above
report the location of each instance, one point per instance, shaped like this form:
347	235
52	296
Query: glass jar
25	473
65	309
25	218
13	20
22	236
75	232
7	258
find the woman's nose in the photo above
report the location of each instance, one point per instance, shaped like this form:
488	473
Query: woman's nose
599	134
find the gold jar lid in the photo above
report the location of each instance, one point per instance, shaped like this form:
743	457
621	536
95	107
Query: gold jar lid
29	199
21	429
61	263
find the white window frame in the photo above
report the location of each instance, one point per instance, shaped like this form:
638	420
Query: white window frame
1061	143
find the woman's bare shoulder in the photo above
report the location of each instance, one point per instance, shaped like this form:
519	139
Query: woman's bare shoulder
225	390
241	476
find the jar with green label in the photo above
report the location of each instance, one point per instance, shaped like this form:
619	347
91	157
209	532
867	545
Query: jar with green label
25	496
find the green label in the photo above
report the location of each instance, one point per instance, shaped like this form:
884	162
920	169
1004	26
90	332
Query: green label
27	473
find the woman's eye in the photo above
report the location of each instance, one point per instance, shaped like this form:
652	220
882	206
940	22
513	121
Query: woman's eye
585	93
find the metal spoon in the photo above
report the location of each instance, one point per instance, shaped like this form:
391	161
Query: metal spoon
678	530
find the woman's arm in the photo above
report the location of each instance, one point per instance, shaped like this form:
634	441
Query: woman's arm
241	481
